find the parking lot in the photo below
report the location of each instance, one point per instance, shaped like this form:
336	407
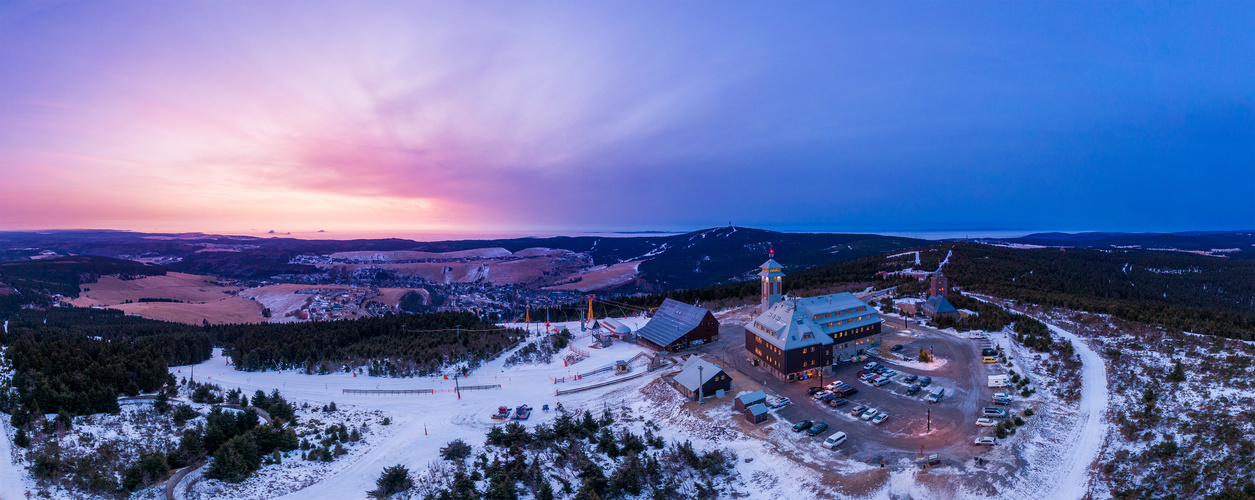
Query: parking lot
959	370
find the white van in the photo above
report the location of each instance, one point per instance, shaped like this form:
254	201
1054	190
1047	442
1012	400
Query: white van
835	439
999	381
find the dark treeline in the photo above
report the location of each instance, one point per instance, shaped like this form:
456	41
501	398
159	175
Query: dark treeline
1193	293
60	372
78	361
398	345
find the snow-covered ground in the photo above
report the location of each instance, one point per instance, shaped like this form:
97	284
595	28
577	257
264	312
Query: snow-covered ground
424	423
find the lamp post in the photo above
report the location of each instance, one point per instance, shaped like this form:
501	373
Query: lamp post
701	398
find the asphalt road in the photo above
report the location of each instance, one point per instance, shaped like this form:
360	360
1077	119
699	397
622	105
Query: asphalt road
953	420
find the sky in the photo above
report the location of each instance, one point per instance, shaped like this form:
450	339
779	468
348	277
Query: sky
402	116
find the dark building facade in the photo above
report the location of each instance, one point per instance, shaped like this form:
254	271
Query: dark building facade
676	325
698	372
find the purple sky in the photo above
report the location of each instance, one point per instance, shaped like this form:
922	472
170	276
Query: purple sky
553	116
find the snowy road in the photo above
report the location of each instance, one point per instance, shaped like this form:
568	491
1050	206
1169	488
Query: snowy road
12	476
1073	479
1087	441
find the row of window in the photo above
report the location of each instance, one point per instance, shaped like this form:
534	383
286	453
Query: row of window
854	331
839	313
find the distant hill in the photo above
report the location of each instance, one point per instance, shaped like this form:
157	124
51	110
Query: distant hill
699	258
1233	244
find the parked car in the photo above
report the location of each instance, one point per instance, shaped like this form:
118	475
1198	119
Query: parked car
912	389
936	394
871	366
778	403
1002	395
1002	401
828	397
925	381
910	378
986	422
879	418
985	440
835	439
848	392
813	390
803	425
988	352
896	348
834	385
889	372
816	429
820	394
871	412
882	381
864	375
838	402
858	410
990	411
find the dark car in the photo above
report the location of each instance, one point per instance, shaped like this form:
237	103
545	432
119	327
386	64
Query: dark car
910	378
828	397
811	391
988	352
801	426
1002	401
896	348
925	381
847	393
913	389
838	402
818	428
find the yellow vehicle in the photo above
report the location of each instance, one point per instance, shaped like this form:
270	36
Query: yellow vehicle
990	359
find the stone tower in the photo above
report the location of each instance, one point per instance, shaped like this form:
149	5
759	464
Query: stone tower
938	285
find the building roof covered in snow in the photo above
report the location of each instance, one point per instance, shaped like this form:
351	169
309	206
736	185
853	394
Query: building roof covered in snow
672	320
752	397
771	268
797	323
689	373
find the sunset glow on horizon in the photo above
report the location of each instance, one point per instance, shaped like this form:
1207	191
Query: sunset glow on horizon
492	116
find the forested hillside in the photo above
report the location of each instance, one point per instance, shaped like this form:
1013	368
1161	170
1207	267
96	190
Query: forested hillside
81	361
33	281
1201	294
400	345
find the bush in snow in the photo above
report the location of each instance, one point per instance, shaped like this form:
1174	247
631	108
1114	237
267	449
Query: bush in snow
395	479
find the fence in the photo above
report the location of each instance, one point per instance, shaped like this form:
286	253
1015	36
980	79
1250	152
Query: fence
418	391
561	392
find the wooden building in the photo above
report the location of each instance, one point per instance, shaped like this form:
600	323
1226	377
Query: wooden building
756	414
676	325
701	373
748	399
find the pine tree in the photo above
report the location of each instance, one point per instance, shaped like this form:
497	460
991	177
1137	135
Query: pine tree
1178	372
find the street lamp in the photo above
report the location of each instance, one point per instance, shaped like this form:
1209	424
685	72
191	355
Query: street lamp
700	396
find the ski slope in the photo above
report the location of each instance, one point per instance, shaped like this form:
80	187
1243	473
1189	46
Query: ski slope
424	423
